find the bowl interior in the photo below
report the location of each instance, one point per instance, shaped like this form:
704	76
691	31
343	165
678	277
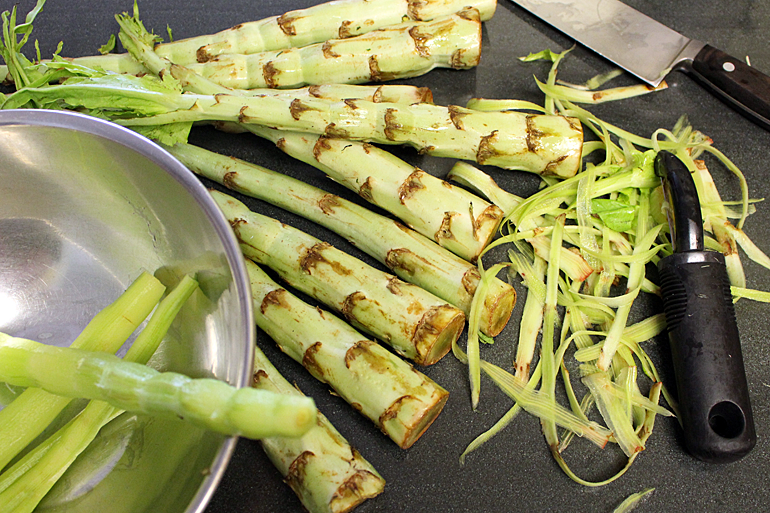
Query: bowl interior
85	206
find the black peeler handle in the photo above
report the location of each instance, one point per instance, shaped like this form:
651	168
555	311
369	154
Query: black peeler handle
714	405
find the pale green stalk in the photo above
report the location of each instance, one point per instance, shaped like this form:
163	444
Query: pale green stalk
504	421
395	52
454	218
572	94
614	413
472	177
205	402
635	276
632	501
400	400
326	473
24	485
417	324
316	24
536	403
547	357
32	411
531	321
410	256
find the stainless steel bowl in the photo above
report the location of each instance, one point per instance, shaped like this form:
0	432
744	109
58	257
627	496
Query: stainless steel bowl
85	206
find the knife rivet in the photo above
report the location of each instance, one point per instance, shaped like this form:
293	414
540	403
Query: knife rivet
728	67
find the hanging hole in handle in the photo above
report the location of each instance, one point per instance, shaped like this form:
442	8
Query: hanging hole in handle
726	420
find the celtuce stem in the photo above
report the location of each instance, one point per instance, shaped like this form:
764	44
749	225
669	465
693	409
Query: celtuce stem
326	473
456	219
208	403
331	20
409	255
400	400
417	324
390	53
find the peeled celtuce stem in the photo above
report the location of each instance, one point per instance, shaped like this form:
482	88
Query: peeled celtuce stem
209	403
400	400
32	411
409	255
32	476
326	473
456	219
417	324
331	20
390	53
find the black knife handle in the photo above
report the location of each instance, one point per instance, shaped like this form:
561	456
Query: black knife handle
734	81
714	405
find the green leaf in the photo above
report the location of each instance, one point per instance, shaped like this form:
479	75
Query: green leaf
108	46
617	215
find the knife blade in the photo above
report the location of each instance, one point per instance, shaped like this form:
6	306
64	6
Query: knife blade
650	50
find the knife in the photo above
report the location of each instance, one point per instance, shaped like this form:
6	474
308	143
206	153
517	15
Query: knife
650	50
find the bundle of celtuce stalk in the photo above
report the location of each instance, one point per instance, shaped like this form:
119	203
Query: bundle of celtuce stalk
409	255
400	400
417	324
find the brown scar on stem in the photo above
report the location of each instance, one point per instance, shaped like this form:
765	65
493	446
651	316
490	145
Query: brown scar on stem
328	52
296	108
486	150
365	191
411	185
321	145
332	131
276	297
376	74
328	202
550	168
394	286
349	304
426	150
296	473
404	259
314	91
229	180
344	30
455	115
413	9
471	280
533	135
286	24
269	73
350	103
420	41
259	376
377	95
445	230
310	362
391	124
314	256
357	349
242	117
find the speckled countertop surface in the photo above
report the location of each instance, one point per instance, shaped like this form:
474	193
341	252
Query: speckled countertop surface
513	472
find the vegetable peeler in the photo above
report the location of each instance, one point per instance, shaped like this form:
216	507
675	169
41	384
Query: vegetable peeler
714	406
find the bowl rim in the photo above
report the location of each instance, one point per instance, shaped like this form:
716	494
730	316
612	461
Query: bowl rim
163	159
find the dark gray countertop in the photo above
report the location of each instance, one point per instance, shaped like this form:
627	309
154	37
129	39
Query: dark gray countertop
513	472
